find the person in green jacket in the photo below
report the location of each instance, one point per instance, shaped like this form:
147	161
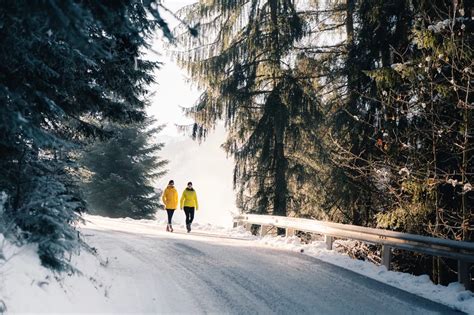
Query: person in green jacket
189	203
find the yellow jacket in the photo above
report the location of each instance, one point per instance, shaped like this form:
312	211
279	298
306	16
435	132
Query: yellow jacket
189	199
170	198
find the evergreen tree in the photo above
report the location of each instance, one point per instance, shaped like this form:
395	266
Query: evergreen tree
50	206
243	61
430	95
61	64
123	169
393	124
388	100
430	146
371	27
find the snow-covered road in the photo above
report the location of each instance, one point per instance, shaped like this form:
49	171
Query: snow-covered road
157	272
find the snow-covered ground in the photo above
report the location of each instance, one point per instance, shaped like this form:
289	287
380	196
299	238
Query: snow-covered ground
142	269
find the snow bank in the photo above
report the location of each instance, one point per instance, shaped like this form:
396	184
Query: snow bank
27	287
153	226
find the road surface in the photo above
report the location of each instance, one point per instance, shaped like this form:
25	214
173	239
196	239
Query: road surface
197	274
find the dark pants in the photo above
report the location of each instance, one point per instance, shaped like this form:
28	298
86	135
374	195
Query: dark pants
189	211
170	215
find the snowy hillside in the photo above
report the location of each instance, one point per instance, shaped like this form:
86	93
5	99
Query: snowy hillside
142	269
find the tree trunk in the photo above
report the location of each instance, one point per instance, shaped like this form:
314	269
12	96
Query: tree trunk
279	123
281	166
350	43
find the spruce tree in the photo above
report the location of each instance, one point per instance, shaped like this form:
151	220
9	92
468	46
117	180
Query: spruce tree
355	125
398	130
63	66
50	206
243	61
122	172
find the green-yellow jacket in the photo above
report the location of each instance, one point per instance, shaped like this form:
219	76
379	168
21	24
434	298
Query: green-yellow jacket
170	198
189	199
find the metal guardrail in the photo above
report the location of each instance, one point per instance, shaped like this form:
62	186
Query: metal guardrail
463	252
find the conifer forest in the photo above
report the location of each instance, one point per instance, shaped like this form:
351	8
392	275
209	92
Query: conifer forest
351	111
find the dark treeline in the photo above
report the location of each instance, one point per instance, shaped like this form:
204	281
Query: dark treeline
68	71
355	111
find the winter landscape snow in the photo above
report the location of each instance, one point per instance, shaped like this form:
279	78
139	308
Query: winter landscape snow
353	112
139	268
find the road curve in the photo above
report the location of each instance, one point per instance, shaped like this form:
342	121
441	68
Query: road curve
198	275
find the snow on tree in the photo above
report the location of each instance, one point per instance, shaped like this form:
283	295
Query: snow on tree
63	66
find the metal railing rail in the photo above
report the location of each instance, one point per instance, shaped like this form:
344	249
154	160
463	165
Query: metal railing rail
463	252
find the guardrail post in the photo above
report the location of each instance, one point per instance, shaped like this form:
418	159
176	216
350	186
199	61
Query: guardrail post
289	232
386	256
329	240
263	230
463	274
248	227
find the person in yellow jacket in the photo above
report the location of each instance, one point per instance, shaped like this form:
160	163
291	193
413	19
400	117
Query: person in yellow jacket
170	199
189	203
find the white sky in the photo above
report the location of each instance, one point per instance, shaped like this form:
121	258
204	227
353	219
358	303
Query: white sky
205	165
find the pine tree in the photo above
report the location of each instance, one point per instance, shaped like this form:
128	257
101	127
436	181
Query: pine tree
50	206
63	65
123	169
243	61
